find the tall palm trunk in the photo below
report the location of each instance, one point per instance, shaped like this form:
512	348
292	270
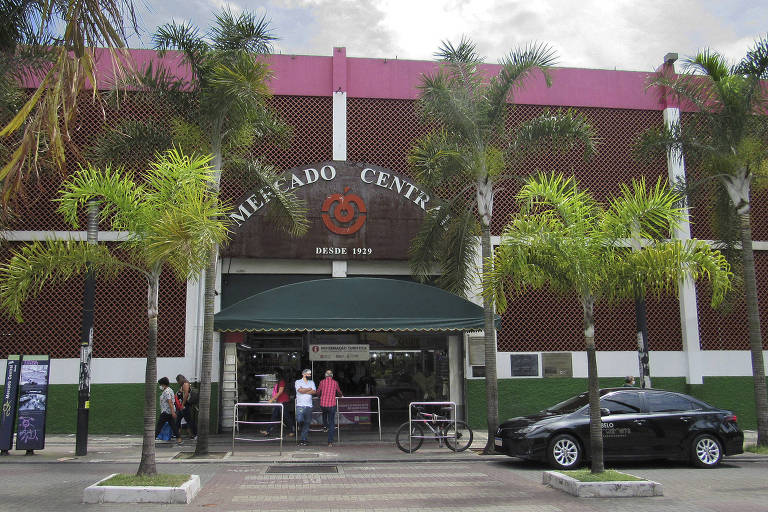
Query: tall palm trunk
593	386
755	339
491	377
206	368
203	417
147	465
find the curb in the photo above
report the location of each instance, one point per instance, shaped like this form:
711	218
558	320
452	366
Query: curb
629	489
131	494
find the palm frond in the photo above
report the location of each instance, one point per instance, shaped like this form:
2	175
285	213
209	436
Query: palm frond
129	140
516	68
561	131
24	275
435	159
241	32
284	209
184	37
457	270
640	213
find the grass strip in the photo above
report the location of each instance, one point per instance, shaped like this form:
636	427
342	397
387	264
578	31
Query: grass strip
609	475
159	480
753	448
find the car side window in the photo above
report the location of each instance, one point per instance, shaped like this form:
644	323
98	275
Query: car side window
624	402
668	402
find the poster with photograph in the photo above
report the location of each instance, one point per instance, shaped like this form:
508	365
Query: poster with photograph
33	402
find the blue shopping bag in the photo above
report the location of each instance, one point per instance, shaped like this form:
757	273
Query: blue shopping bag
165	432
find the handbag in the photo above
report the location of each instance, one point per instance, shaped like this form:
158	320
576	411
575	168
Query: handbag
165	432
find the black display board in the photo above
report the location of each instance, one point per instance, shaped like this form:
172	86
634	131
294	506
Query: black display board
33	403
524	365
10	396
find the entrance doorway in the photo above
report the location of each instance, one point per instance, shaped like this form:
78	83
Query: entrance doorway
401	367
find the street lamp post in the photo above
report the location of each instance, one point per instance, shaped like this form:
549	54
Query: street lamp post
86	341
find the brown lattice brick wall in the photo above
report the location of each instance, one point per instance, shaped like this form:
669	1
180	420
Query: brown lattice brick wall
52	320
728	329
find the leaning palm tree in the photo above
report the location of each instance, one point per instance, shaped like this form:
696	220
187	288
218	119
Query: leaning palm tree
172	221
230	78
726	141
463	161
60	37
565	240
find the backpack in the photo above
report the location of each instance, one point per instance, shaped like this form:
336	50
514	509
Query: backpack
194	396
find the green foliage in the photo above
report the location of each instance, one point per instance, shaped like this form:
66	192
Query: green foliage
462	160
157	480
171	219
564	239
609	475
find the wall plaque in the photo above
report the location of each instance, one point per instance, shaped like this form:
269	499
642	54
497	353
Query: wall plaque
524	365
557	364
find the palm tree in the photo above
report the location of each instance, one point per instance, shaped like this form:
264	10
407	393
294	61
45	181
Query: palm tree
725	139
563	239
28	38
173	221
230	81
466	157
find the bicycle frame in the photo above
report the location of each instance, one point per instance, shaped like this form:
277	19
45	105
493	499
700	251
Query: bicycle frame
430	422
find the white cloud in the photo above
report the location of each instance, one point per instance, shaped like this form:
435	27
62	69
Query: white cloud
623	34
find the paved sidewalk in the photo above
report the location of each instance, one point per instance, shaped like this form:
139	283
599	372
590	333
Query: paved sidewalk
361	473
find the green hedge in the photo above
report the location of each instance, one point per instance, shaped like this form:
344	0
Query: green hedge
115	409
518	397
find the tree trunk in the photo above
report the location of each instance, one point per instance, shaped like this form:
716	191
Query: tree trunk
641	319
595	423
147	465
491	380
755	338
203	417
204	404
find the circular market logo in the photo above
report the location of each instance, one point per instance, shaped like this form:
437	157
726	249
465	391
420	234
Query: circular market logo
344	214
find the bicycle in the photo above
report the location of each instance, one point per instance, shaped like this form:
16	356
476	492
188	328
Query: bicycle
441	428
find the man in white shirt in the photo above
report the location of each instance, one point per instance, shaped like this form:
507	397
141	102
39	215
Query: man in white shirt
305	388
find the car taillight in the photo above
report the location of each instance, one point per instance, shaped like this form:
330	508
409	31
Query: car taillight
732	418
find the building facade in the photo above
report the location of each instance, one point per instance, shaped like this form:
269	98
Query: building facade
354	121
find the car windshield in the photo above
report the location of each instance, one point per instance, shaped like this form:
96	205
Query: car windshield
572	404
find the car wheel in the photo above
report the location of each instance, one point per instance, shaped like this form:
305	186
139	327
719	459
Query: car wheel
706	451
564	452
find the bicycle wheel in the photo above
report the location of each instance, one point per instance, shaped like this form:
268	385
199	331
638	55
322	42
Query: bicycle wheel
416	438
460	439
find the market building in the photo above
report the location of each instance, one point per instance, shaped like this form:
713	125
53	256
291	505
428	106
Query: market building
341	297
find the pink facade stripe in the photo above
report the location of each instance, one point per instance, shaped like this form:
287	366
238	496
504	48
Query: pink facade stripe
302	75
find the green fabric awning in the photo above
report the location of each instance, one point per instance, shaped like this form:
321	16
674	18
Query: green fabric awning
352	304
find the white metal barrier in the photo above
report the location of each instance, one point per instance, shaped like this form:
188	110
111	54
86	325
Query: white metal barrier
377	412
426	421
238	422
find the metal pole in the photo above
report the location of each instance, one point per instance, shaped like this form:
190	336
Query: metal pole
86	340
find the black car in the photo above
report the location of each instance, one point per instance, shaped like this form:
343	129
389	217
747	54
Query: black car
637	424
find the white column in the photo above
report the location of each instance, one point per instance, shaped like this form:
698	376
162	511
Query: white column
339	85
689	320
340	125
456	376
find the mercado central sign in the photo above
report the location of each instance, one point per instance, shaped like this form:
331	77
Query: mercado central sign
355	210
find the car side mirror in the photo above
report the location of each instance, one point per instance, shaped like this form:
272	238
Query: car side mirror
604	411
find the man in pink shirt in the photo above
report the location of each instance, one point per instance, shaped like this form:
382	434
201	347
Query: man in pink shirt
328	390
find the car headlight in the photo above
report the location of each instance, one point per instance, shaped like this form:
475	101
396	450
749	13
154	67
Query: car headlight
529	429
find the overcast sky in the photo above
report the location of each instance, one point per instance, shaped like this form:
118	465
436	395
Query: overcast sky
607	34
